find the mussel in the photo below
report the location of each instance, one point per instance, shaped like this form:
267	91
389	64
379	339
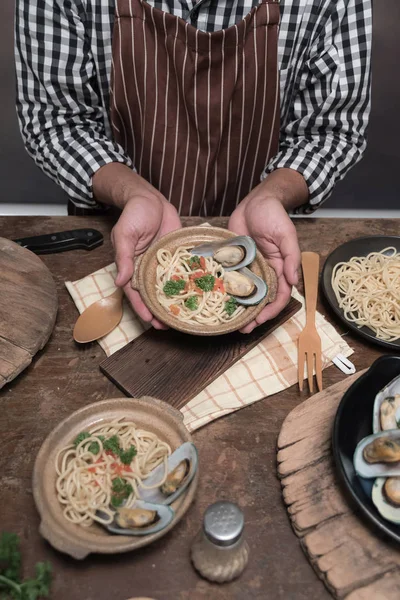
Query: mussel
234	253
387	407
143	519
385	505
378	455
382	450
132	518
237	284
229	256
176	478
391	489
182	467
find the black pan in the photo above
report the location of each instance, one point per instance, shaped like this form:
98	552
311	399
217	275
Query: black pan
352	423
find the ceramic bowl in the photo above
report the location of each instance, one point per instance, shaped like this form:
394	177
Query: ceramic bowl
144	279
148	413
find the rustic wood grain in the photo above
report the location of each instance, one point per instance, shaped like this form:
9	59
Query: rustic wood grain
28	308
237	453
352	559
175	367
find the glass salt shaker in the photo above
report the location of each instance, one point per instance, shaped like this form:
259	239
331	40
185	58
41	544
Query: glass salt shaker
219	551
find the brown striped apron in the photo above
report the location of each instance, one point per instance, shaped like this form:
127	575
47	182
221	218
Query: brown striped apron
197	112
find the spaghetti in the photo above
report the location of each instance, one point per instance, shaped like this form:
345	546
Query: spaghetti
105	468
367	289
192	289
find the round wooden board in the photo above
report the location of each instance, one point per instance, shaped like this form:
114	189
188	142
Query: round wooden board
352	559
28	308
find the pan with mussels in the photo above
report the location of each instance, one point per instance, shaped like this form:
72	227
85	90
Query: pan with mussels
366	443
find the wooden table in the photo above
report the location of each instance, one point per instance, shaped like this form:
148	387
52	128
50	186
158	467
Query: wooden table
238	452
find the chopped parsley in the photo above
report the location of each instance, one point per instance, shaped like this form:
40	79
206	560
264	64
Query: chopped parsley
230	306
112	445
80	437
120	491
194	262
126	456
11	583
205	283
192	303
94	447
172	288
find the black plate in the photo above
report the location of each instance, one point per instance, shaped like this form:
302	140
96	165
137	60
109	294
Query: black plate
358	247
353	422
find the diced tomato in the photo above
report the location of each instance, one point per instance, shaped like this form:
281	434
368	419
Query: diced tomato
196	275
92	469
175	309
203	263
95	483
176	278
128	468
109	453
219	286
118	469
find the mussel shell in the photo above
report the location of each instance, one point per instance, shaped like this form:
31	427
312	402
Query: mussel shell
387	510
186	451
244	241
132	518
391	489
165	515
390	390
377	469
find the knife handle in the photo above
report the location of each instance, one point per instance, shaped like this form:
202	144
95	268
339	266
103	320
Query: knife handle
86	239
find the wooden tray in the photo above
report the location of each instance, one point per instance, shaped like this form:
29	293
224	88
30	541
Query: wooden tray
353	560
28	308
175	367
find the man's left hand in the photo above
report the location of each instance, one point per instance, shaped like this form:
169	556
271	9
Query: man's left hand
267	222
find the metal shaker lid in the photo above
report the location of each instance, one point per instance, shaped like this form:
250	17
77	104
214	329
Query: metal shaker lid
223	523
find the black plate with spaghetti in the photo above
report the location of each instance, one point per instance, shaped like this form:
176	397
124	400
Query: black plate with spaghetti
358	247
352	423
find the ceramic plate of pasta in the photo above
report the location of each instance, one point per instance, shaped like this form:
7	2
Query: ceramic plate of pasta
204	280
361	281
114	476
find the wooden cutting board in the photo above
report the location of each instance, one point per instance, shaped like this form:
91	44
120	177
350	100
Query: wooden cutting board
28	308
351	558
175	367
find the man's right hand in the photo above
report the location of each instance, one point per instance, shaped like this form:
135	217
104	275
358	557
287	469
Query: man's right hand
146	216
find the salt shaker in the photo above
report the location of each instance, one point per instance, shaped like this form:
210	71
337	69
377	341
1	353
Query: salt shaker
219	551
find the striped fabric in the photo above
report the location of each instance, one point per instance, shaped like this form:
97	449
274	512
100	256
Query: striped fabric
207	103
63	65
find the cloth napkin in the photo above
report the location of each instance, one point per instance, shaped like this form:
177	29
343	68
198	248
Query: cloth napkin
267	369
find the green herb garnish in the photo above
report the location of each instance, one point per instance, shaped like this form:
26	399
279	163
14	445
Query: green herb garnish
112	445
126	456
172	288
120	491
230	306
11	585
94	447
205	283
194	262
80	437
192	303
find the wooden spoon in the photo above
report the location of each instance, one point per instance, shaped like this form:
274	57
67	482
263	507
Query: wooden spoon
99	318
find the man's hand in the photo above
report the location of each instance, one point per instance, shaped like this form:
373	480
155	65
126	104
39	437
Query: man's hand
146	216
263	217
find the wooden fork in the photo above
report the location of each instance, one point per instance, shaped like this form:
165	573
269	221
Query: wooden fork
309	342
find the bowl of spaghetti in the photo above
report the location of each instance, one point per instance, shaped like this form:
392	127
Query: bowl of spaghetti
209	310
361	281
76	484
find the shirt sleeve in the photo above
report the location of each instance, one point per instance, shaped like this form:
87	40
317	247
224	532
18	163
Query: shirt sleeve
326	105
61	113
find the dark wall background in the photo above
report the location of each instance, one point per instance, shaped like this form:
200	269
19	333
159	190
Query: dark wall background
373	183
